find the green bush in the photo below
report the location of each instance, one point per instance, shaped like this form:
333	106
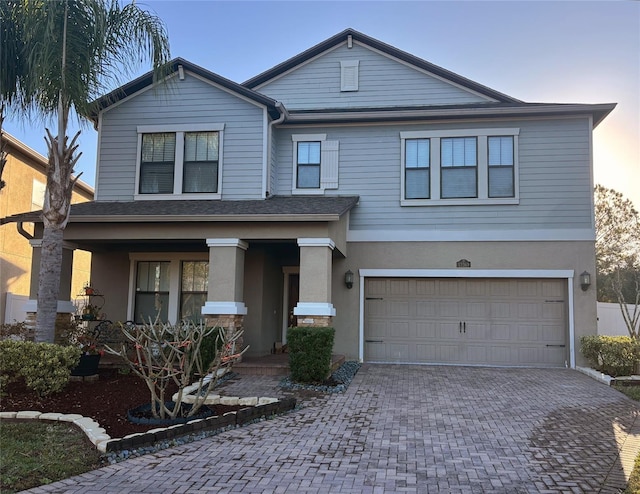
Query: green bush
613	355
310	353
45	367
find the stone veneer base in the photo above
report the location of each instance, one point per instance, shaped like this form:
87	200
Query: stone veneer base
266	407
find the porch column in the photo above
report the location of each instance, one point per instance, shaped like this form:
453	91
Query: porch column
314	308
224	306
66	309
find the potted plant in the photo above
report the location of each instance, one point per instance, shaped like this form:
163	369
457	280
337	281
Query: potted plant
90	356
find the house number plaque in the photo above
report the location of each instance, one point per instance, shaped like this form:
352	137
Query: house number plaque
463	263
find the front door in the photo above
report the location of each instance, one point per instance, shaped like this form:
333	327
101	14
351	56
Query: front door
291	297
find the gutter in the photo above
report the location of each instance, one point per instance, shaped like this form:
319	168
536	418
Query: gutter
22	231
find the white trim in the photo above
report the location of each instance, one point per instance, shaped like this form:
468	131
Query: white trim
64	306
549	235
314	309
316	242
481	135
157	129
178	160
567	274
308	137
224	308
227	242
488	131
466	273
98	158
37	243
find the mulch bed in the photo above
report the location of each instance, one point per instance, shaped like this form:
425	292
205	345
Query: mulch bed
105	400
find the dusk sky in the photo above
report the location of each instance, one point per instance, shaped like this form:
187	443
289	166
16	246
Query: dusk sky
536	51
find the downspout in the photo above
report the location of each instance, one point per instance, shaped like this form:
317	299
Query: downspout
284	114
23	232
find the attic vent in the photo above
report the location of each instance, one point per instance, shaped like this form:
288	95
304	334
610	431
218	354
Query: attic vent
349	75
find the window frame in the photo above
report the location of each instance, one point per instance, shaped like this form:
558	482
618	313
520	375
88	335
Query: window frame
501	166
175	260
178	174
405	168
297	138
482	166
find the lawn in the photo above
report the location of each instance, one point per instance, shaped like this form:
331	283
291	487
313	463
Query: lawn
34	453
632	392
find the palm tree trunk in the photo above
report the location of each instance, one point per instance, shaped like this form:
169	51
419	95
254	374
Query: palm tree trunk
49	283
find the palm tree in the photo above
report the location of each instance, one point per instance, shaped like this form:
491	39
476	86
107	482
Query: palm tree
70	52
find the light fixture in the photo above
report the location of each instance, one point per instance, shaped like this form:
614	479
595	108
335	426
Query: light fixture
348	279
585	281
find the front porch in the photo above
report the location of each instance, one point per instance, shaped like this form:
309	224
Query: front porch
274	365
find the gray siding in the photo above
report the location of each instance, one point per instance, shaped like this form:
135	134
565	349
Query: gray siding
554	165
383	82
191	101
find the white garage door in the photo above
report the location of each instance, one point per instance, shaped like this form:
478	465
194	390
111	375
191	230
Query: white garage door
466	321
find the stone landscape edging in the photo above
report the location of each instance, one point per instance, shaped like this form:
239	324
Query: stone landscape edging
265	407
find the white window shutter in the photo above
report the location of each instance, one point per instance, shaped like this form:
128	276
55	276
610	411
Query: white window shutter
349	75
329	160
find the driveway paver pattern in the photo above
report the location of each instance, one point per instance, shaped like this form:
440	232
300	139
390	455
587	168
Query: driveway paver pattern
405	428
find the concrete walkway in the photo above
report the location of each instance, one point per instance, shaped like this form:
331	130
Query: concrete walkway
406	429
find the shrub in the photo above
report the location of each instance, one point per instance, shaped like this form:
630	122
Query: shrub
613	355
45	367
16	331
310	353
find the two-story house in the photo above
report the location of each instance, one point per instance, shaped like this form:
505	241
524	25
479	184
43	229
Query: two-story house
426	217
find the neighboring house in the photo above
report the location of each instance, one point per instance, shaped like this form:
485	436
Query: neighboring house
25	176
464	214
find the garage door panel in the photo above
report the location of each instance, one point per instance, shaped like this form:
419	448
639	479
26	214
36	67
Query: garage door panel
507	322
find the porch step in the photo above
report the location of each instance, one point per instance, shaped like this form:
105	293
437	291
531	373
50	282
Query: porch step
274	365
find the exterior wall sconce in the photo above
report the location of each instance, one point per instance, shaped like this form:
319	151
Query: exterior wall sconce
348	279
585	281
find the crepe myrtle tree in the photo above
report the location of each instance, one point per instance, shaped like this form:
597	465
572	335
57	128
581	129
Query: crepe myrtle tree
618	255
167	356
57	58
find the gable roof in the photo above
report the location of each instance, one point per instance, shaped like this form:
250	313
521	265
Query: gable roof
173	66
343	37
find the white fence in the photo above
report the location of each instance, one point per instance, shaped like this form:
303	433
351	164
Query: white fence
610	321
14	311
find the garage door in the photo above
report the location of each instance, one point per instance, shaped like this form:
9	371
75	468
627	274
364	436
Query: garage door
466	321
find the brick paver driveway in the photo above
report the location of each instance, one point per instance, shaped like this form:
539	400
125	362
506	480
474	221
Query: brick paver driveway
407	429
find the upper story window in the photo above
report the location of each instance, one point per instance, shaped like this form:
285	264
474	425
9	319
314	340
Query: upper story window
501	165
315	164
179	162
308	165
459	167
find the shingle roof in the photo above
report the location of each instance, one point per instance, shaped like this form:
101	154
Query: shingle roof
380	46
172	67
276	208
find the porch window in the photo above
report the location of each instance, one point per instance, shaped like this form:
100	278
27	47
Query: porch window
152	291
193	291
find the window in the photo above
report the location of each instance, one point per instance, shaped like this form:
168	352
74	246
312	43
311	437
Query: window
308	165
157	163
152	291
200	162
315	164
193	289
459	167
179	162
416	173
176	284
501	166
458	160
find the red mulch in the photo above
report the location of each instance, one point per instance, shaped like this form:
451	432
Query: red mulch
106	401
